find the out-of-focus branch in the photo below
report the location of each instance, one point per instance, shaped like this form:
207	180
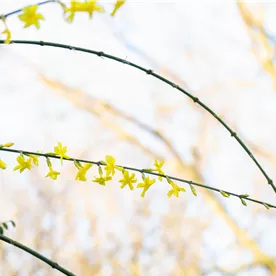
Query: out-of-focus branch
243	238
233	271
192	172
259	150
241	235
98	107
261	47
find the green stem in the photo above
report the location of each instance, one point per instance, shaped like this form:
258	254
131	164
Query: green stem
54	265
99	163
150	72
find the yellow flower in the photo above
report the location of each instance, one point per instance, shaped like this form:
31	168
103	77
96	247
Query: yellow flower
87	6
117	5
175	189
81	175
7	32
158	166
31	17
7	145
34	159
110	165
2	165
61	151
23	164
101	180
147	182
52	174
128	180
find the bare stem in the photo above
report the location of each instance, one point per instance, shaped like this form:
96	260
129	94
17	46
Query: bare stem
54	265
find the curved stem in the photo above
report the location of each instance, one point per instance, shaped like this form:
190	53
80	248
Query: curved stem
144	171
150	72
195	99
54	265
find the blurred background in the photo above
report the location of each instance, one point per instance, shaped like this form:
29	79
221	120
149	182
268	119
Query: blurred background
221	52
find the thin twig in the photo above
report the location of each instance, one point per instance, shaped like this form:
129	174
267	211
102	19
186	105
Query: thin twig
150	72
20	10
143	171
54	265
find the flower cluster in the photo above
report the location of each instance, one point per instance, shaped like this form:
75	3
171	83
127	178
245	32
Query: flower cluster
30	16
88	6
106	169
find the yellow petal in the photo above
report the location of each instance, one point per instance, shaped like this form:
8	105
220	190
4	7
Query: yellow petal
2	165
17	167
110	159
20	159
8	145
170	192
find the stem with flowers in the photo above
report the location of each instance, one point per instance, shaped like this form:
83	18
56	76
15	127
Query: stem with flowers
161	78
110	166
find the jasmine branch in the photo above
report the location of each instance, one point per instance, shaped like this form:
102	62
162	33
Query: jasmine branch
150	72
242	197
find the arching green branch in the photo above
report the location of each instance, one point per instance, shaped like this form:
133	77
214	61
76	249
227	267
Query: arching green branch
54	265
150	72
243	197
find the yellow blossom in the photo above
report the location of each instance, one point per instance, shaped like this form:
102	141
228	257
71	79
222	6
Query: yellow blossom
81	175
86	6
2	165
128	180
7	145
101	180
117	5
175	189
147	182
110	165
61	151
34	159
52	173
7	32
23	164
158	166
31	17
